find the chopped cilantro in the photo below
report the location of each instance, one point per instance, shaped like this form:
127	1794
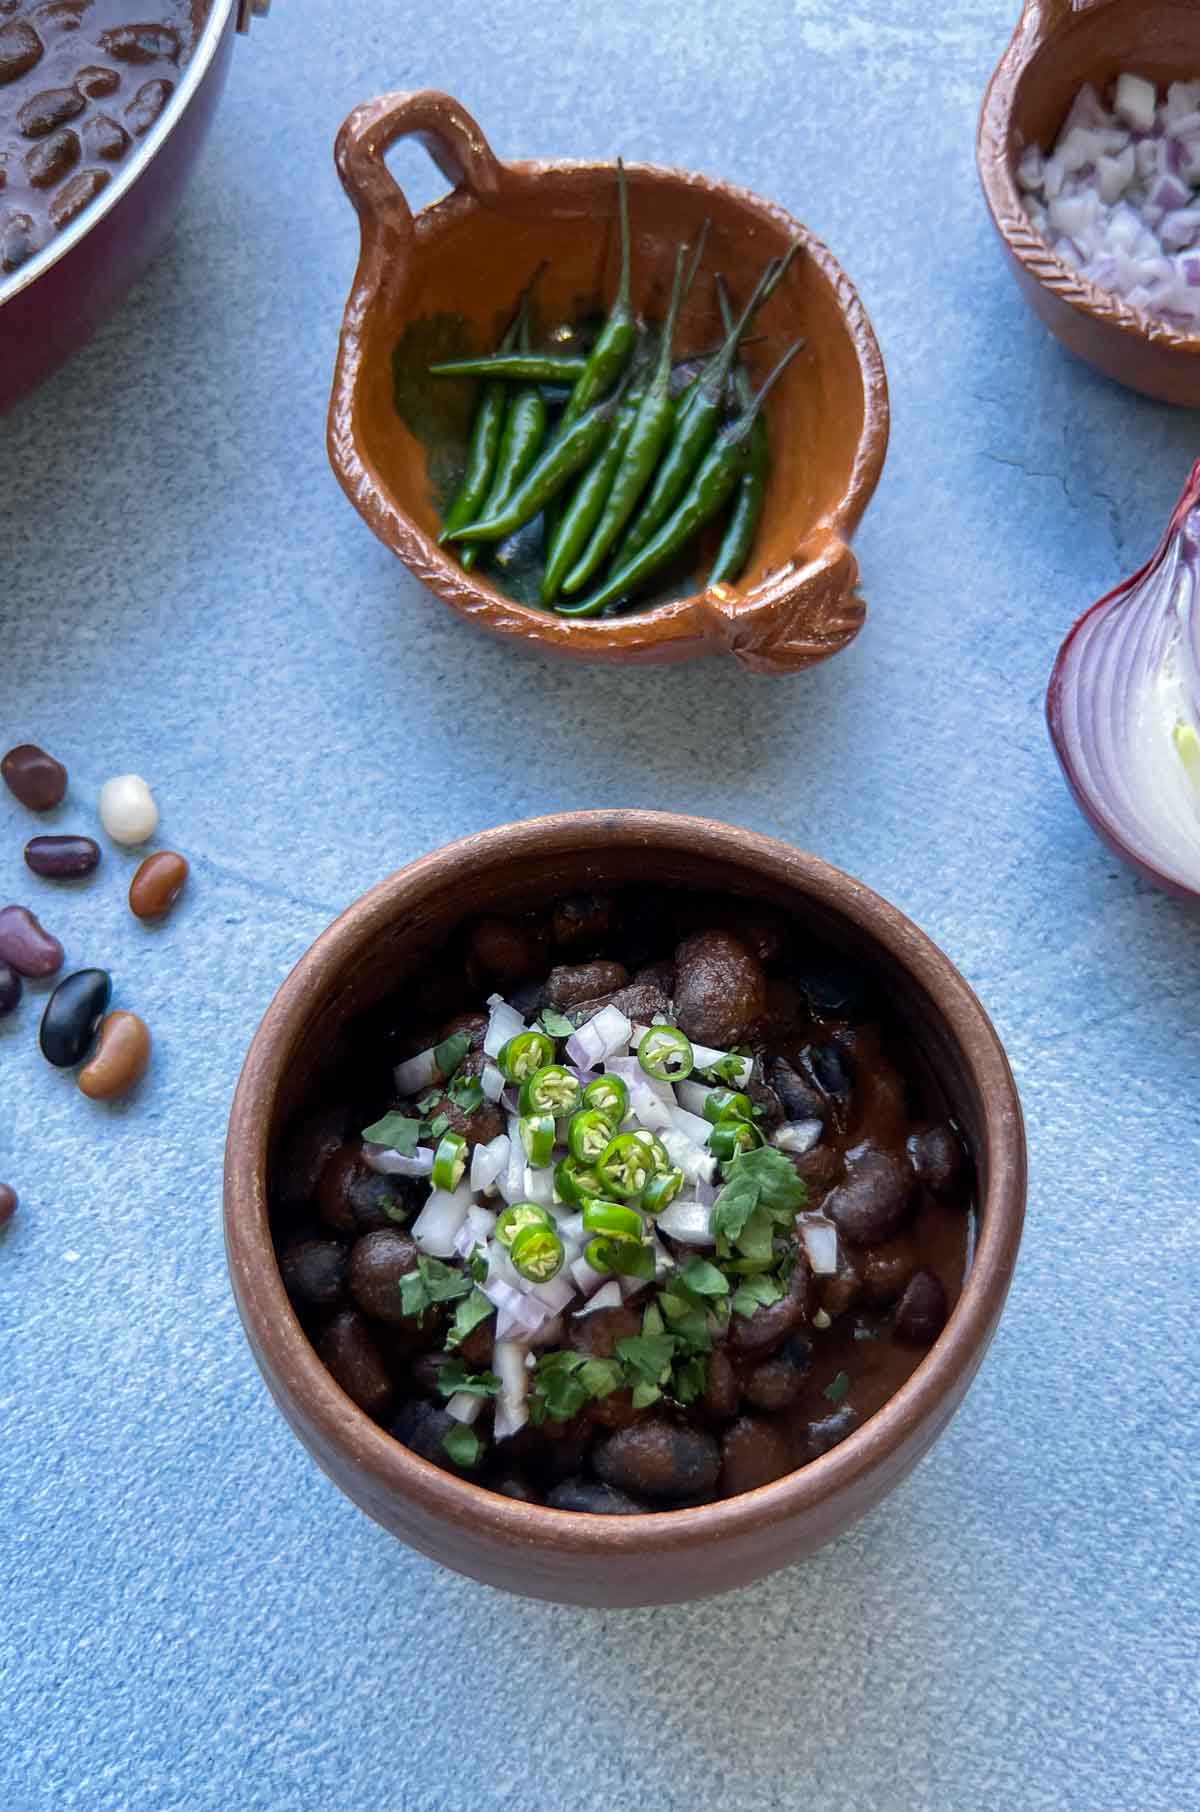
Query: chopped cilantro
398	1132
837	1390
631	1258
477	1264
652	1321
556	1024
756	1293
429	1100
453	1376
649	1356
466	1092
688	1317
559	1389
432	1281
761	1192
645	1394
704	1279
688	1379
729	1070
468	1314
449	1054
438	1125
600	1377
395	1209
463	1445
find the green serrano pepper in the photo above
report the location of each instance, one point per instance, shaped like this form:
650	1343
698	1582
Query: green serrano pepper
742	527
560	461
524	432
588	499
482	447
523	367
719	472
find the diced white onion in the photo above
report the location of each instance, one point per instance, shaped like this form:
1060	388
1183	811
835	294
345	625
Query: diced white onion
488	1163
696	1161
586	1275
492	1082
512	1408
416	1073
798	1136
704	1057
608	1296
605	1033
556	1294
688	1222
693	1095
391	1163
504	1022
821	1244
436	1227
464	1406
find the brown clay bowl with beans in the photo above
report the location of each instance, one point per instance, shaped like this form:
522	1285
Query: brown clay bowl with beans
878	1081
1058	46
104	105
463	260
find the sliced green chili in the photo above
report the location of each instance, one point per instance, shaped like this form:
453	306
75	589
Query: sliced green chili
522	1055
537	1253
654	1148
609	1096
666	1054
625	1256
626	1166
526	367
536	1132
514	1220
727	1104
730	1138
589	1135
661	1190
550	1090
449	1161
614	1221
577	1183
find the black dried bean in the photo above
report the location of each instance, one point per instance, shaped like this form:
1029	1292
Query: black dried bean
921	1315
41	113
147	104
594	1499
665	1461
72	1016
873	1201
348	1351
61	858
10	989
46	164
936	1154
314	1273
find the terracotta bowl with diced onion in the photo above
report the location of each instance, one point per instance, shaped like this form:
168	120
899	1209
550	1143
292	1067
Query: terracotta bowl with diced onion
394	932
1059	48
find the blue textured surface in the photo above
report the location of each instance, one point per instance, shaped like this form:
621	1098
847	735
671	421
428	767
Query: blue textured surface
191	1615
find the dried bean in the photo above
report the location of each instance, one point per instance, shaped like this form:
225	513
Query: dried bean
753	1453
305	1151
119	1060
598	1333
46	164
349	1352
61	858
147	104
72	1014
141	43
20	50
353	1198
663	1460
96	81
314	1273
157	884
776	1383
505	948
887	1269
25	946
76	195
127	809
593	1499
937	1156
67	15
921	1315
10	989
720	988
830	1430
34	777
873	1201
41	113
8	1203
18	242
720	1386
377	1263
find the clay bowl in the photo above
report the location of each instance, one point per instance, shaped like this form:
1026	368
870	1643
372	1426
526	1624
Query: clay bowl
1057	47
470	254
390	933
52	304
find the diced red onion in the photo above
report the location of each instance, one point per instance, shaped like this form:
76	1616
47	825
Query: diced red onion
510	1100
488	1163
821	1243
538	1186
436	1227
798	1136
696	1161
492	1082
512	1182
572	1228
601	1036
582	1077
693	1095
586	1276
525	1310
1135	101
688	1222
512	1408
692	1126
556	1294
391	1163
608	1296
1123	708
464	1406
705	1191
504	1022
416	1073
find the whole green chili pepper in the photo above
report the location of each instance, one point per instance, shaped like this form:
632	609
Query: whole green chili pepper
696	423
654	422
524	432
557	464
527	367
580	515
482	447
742	527
719	472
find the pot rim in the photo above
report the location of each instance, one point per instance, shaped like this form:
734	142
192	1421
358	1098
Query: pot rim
343	1427
193	75
1035	36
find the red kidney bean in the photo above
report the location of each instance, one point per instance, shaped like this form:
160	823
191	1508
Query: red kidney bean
10	989
73	1012
141	43
41	113
61	858
34	777
20	50
96	81
49	162
18	241
75	195
147	104
8	1203
26	946
105	138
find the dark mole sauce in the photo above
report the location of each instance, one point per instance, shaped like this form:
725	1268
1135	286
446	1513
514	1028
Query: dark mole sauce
80	82
815	1012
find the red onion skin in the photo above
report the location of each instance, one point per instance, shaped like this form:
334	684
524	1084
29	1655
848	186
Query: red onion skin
1054	707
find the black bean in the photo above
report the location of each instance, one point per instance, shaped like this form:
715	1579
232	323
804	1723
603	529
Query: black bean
377	1263
834	987
720	1386
314	1273
74	196
506	948
141	44
72	1016
773	1385
41	113
20	50
61	858
599	1332
10	988
147	104
351	1355
594	1499
921	1315
18	241
873	1201
753	1452
582	918
798	1097
514	1486
761	1333
829	1430
353	1198
830	1071
569	986
307	1148
936	1154
720	988
665	1461
46	164
887	1269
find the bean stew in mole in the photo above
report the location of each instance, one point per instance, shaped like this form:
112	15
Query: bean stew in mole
632	1204
80	81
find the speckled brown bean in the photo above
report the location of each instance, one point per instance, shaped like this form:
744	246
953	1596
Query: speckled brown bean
720	988
96	81
921	1315
61	858
48	162
20	50
41	113
355	1362
157	884
120	1058
34	777
74	196
570	985
666	1461
146	106
753	1452
25	946
10	989
8	1203
377	1263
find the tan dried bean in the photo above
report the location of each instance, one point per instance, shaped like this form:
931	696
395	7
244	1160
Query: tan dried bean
157	885
120	1058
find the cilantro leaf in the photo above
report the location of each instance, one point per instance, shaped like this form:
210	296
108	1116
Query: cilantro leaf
395	1209
688	1379
779	1187
463	1445
466	1092
755	1293
760	1184
431	1282
757	1238
703	1278
600	1377
630	1258
645	1394
556	1024
477	1264
397	1131
688	1316
438	1125
557	1386
734	1205
429	1100
450	1053
652	1320
453	1376
649	1356
471	1310
837	1390
729	1070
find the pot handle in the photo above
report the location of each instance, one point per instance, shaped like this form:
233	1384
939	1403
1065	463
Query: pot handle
448	133
807	614
248	9
1050	14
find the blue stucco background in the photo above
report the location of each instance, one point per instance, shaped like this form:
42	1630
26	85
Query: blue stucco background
191	1616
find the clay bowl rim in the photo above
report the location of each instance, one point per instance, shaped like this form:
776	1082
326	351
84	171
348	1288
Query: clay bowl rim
1037	33
361	1443
471	595
193	74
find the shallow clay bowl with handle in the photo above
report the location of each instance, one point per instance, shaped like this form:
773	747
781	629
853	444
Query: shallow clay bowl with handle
1057	47
470	254
394	932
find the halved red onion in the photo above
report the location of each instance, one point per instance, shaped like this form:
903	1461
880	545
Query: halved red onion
821	1243
504	1022
391	1163
464	1406
688	1222
416	1073
798	1136
1123	708
608	1296
436	1227
488	1163
512	1408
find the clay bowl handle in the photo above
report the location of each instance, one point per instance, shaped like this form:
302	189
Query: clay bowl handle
1053	13
447	131
803	617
